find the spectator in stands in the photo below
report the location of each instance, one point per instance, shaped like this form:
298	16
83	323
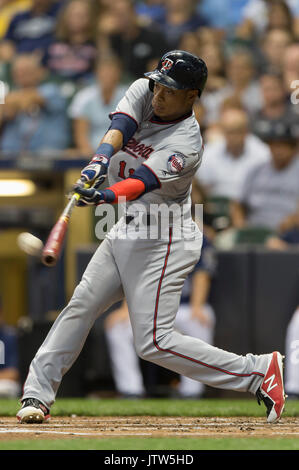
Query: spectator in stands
241	73
211	52
227	161
195	315
180	17
8	9
213	132
292	357
208	36
136	45
224	15
150	10
190	42
213	55
276	106
260	15
9	372
282	242
242	76
273	46
280	15
31	30
291	69
91	106
72	54
270	194
33	117
125	364
288	236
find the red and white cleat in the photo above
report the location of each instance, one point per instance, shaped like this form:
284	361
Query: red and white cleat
33	411
271	392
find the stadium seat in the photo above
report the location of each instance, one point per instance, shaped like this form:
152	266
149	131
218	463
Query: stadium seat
253	235
217	212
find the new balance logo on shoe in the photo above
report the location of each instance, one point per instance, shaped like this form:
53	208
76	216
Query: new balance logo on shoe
271	380
271	392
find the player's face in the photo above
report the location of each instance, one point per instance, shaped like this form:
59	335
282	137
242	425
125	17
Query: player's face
170	104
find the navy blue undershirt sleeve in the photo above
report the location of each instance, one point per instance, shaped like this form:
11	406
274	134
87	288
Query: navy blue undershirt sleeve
144	174
125	124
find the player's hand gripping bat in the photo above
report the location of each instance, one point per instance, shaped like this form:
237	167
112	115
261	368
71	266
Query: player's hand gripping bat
93	174
54	244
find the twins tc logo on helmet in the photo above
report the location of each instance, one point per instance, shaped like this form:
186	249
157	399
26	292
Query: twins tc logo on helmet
176	163
166	65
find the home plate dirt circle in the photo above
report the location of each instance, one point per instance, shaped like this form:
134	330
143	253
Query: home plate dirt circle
147	426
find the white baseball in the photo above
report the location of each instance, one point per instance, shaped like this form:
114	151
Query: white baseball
30	244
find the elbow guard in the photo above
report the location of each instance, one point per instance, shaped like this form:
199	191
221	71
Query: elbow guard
125	124
148	177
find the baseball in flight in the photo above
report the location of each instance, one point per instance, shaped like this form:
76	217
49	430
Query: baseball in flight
30	244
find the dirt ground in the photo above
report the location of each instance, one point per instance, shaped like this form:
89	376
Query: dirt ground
147	426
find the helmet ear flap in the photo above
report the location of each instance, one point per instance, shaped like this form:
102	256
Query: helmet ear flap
151	84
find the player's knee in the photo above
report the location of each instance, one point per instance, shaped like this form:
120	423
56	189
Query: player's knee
86	301
145	350
149	347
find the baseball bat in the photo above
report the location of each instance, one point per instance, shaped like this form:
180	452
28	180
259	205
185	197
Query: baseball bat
54	244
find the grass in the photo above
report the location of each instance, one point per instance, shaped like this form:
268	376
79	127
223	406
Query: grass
161	444
154	407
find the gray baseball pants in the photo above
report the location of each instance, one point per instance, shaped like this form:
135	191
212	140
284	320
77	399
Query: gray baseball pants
150	274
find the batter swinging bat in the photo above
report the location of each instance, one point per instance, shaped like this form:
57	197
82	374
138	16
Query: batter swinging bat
53	246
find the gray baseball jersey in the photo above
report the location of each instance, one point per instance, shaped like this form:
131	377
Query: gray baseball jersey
172	150
150	273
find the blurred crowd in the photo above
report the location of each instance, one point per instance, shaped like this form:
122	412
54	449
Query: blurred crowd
66	63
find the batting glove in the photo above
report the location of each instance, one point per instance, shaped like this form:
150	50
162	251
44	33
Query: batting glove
90	196
96	171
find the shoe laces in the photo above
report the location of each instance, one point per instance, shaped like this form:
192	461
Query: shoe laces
36	404
262	398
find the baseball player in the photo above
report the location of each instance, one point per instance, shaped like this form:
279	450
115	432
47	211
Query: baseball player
151	152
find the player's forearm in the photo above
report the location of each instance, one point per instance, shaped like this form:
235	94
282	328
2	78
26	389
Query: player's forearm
110	144
130	189
143	180
113	137
237	214
121	130
200	288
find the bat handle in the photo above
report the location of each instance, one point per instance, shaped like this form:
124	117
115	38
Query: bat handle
54	243
72	203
